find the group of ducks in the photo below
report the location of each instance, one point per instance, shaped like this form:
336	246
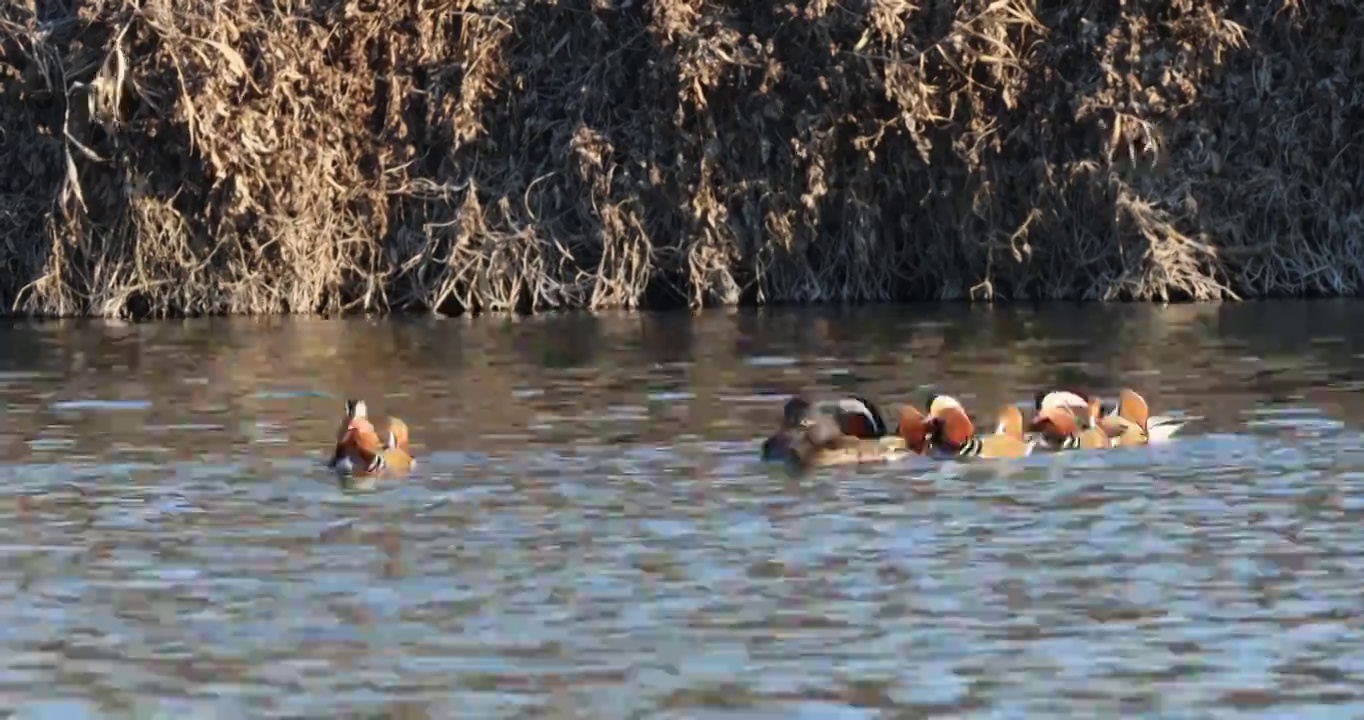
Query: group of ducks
360	452
852	430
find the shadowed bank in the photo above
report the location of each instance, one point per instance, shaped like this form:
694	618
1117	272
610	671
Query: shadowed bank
264	157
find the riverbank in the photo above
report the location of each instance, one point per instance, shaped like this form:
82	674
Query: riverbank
245	157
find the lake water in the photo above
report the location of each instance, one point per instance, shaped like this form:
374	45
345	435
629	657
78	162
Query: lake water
589	534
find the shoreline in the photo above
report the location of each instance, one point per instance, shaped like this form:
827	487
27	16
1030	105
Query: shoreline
524	156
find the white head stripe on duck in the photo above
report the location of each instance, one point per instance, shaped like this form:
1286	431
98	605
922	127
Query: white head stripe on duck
1061	398
938	403
356	409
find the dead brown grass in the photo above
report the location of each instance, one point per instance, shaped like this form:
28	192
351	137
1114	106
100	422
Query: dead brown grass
253	156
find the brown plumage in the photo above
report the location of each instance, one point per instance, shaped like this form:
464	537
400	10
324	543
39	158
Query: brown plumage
852	416
912	427
1060	429
360	452
397	455
397	433
822	443
1132	406
952	431
855	425
1128	425
1010	422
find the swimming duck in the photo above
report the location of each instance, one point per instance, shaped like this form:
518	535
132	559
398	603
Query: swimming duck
359	450
854	416
822	443
1061	429
951	431
1130	423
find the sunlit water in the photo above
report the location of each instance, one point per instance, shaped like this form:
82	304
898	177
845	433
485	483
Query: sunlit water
589	534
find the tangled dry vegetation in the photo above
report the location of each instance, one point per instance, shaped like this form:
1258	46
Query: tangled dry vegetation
168	157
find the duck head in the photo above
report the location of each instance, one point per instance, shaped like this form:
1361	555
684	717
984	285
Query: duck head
1077	400
1055	423
949	427
820	433
796	415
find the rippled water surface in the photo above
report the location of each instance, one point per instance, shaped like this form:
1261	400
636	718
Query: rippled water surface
589	534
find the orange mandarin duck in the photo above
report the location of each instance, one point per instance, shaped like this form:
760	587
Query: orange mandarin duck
1131	423
951	431
359	450
1061	429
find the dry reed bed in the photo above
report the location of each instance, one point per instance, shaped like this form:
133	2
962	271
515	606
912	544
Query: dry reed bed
244	156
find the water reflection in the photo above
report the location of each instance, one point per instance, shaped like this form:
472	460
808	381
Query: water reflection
589	531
